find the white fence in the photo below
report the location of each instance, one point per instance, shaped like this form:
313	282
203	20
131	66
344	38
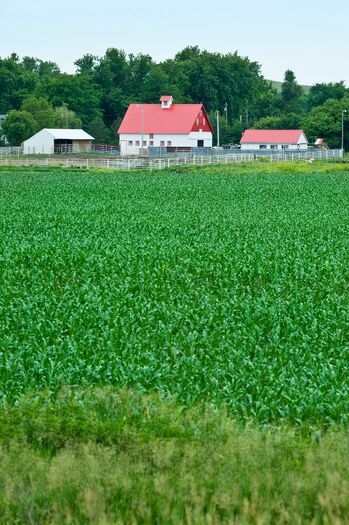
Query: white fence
147	163
10	150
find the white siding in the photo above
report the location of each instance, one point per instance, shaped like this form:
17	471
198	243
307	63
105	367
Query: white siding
41	143
176	140
302	145
303	141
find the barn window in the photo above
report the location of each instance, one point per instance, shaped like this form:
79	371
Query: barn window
274	146
130	142
263	146
197	121
285	146
137	143
162	143
169	142
151	143
144	142
151	136
204	121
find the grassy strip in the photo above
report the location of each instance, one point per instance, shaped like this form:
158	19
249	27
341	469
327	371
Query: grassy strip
106	456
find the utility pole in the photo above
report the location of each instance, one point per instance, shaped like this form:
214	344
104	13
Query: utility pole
142	126
217	115
343	111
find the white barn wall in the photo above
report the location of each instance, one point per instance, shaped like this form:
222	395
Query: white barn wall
253	146
40	143
177	140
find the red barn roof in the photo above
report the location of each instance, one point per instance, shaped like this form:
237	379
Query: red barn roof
178	119
166	98
272	136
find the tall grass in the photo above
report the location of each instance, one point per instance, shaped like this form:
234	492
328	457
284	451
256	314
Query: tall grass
106	456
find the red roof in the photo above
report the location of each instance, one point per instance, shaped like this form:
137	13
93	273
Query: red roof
165	98
272	136
178	119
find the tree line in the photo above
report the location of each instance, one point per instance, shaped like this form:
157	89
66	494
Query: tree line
36	94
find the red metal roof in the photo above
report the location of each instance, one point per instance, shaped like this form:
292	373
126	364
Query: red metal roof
166	98
271	136
178	119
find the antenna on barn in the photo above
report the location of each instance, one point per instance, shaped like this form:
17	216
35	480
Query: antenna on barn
226	112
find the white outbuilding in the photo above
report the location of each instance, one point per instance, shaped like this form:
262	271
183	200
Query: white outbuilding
274	139
50	141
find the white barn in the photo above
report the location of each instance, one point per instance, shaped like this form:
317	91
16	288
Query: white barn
165	125
50	141
274	139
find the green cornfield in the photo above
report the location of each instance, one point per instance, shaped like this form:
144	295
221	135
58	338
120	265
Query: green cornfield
223	286
174	346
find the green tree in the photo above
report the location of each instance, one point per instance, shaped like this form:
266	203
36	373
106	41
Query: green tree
284	121
319	93
16	83
216	79
41	110
156	84
64	118
86	65
236	131
18	126
326	122
78	92
291	93
266	101
114	137
114	105
99	131
139	68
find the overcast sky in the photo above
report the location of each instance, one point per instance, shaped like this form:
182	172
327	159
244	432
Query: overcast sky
308	36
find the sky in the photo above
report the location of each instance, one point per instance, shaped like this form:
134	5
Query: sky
308	36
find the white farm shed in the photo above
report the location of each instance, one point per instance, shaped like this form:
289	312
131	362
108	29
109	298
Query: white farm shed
274	139
50	141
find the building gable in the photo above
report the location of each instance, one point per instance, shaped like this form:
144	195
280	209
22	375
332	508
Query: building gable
202	122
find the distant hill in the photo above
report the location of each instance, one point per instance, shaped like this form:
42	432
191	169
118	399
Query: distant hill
277	85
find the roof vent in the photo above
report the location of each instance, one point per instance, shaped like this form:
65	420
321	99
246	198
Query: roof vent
166	101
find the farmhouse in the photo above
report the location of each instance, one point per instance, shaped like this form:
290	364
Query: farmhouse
165	125
50	141
274	139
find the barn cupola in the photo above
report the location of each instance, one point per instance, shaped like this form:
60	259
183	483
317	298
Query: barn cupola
166	101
